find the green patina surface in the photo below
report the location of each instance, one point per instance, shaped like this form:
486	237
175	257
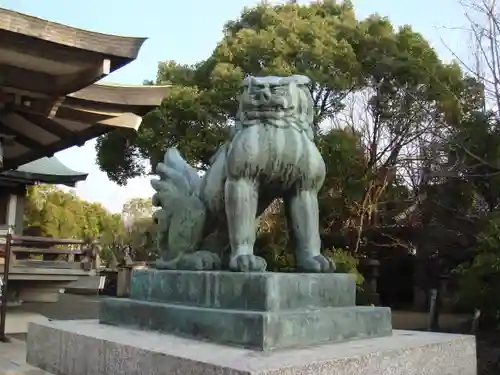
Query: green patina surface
252	329
260	291
208	223
262	311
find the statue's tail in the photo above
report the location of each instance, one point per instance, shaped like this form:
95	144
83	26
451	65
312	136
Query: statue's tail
177	179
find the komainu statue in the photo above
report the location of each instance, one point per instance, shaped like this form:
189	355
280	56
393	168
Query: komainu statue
210	222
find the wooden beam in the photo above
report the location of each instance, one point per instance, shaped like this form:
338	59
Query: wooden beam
39	82
49	150
47	124
28	80
19	137
55	107
76	81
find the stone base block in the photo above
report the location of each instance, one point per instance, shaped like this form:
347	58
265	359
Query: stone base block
259	330
89	348
256	291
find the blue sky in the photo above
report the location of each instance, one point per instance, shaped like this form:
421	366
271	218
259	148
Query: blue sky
187	31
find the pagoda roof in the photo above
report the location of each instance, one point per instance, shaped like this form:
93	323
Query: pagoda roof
49	98
45	170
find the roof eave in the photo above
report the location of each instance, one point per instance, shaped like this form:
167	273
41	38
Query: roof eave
122	95
107	44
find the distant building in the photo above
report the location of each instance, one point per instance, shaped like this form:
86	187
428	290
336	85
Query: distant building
13	186
50	101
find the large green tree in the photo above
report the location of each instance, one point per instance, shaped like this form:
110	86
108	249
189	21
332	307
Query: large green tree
57	213
397	71
62	214
385	87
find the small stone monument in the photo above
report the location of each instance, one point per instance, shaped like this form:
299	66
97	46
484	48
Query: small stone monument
210	307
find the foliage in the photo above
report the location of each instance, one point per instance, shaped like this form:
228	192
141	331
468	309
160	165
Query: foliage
136	209
323	40
479	282
272	239
62	214
346	262
406	138
136	236
136	240
479	278
347	178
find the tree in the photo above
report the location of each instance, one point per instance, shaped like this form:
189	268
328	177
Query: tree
137	208
387	85
266	40
61	214
138	238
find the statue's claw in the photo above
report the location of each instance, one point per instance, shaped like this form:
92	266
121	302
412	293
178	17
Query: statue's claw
318	263
247	263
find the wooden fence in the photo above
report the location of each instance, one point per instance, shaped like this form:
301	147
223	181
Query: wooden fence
21	251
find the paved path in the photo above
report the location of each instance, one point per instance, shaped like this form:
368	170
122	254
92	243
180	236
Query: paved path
17	321
13	359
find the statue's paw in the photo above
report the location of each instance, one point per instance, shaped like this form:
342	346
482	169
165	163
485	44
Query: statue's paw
165	265
318	263
247	263
199	261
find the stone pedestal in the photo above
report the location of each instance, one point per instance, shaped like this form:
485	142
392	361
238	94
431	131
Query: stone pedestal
222	323
262	311
90	348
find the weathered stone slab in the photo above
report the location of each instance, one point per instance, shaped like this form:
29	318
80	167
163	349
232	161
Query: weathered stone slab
267	291
260	330
88	348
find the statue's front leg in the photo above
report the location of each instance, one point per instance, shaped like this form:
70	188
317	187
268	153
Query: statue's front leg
301	207
241	199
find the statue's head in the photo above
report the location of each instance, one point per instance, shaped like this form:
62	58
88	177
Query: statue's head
276	98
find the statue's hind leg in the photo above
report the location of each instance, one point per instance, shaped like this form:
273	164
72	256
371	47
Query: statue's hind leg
241	199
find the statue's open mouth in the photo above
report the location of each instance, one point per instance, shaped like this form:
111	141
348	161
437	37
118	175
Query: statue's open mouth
275	107
267	111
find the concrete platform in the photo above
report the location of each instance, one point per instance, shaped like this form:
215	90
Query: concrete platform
41	284
89	348
85	285
13	360
18	321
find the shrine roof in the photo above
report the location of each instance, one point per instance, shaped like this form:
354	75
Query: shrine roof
49	98
45	170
